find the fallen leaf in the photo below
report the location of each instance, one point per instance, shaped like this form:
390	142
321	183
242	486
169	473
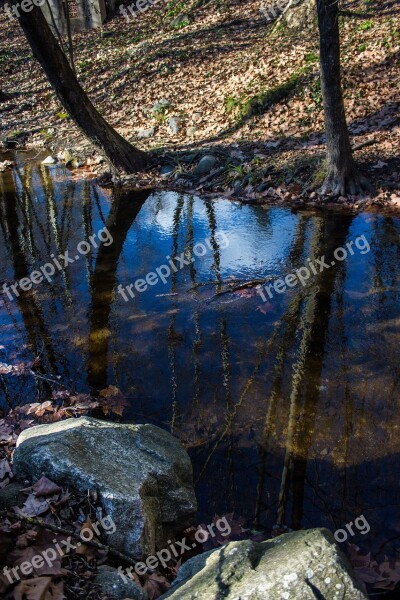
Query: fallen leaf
156	585
39	588
43	487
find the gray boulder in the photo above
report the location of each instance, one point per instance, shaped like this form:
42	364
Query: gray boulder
142	474
116	587
205	165
304	565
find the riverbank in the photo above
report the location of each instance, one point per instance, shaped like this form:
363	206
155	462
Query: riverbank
219	84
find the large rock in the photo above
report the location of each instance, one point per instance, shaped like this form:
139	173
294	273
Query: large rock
304	565
142	475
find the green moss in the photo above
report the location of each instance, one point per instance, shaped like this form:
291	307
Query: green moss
311	57
175	8
365	26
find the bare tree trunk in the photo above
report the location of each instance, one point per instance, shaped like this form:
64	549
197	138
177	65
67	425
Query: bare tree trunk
343	176
120	153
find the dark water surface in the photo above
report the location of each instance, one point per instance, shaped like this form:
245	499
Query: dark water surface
289	409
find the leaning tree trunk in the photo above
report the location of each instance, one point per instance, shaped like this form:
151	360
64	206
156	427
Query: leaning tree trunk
343	176
120	153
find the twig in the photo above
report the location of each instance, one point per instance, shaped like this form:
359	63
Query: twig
37	375
363	144
39	523
242	286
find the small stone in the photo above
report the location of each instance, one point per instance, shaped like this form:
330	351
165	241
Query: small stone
160	107
191	131
205	165
49	160
146	133
174	125
66	156
180	21
166	171
6	164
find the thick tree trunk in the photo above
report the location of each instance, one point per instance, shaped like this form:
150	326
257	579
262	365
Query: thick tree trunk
122	155
342	176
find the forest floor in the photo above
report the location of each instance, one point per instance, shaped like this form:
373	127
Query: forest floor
222	82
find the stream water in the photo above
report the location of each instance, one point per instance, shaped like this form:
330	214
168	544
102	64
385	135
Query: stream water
289	408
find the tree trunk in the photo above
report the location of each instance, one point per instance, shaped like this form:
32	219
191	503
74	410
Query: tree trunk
343	176
120	153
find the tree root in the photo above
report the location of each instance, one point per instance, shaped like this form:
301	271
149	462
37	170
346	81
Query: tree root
352	184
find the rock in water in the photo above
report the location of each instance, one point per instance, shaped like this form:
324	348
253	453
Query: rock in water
142	474
304	565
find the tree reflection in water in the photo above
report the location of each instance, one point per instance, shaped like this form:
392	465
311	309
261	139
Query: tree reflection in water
290	413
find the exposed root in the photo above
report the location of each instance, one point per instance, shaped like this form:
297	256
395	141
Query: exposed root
336	184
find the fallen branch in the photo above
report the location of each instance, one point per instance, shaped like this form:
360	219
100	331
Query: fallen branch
364	144
54	529
243	286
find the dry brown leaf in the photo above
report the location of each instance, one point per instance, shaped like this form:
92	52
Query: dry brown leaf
43	487
39	588
156	585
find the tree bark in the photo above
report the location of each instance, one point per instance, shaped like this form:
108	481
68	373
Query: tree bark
121	154
343	176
